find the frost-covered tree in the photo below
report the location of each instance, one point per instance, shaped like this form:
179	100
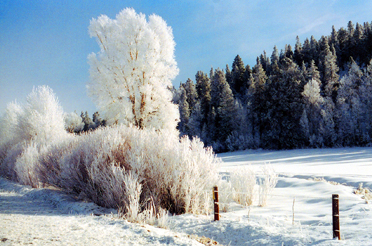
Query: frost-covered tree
131	74
312	122
349	106
73	123
42	118
328	70
8	127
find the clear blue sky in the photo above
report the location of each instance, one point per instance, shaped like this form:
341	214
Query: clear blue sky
46	42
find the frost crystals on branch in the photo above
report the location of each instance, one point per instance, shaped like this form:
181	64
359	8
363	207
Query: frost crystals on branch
131	74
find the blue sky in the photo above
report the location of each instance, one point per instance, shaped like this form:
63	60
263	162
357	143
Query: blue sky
46	42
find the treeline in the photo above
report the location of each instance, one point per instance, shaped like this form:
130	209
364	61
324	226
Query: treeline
318	94
83	123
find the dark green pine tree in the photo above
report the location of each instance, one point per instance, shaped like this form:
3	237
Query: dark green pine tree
238	70
288	51
357	47
314	49
258	102
306	49
191	93
328	71
97	120
343	38
275	56
298	56
184	109
88	123
203	89
286	108
222	100
247	81
228	76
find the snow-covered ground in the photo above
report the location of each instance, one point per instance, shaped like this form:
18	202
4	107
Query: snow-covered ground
307	179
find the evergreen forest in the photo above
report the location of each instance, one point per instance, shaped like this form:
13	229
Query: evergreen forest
317	94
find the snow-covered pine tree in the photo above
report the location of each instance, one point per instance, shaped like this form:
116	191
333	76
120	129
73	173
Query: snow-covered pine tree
131	74
275	55
328	71
313	104
349	107
184	112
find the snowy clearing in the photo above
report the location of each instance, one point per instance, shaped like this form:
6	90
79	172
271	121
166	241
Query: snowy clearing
48	217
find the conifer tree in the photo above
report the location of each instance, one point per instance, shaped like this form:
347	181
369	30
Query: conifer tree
349	106
298	56
222	100
306	51
238	70
183	106
229	77
328	71
191	93
203	89
286	107
275	56
258	101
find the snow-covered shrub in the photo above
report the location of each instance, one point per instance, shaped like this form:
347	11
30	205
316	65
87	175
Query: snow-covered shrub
266	184
73	122
7	167
27	133
225	194
243	180
49	169
42	118
8	124
26	164
173	173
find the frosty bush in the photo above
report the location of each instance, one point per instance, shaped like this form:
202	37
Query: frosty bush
243	180
173	173
26	130
42	118
73	122
267	184
224	194
8	124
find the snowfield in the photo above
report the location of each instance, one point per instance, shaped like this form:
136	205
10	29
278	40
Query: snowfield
307	179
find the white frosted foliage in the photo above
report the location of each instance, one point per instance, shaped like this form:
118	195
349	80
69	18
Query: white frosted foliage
73	122
131	73
42	117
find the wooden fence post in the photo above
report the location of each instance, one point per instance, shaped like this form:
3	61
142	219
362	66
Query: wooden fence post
336	216
216	205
